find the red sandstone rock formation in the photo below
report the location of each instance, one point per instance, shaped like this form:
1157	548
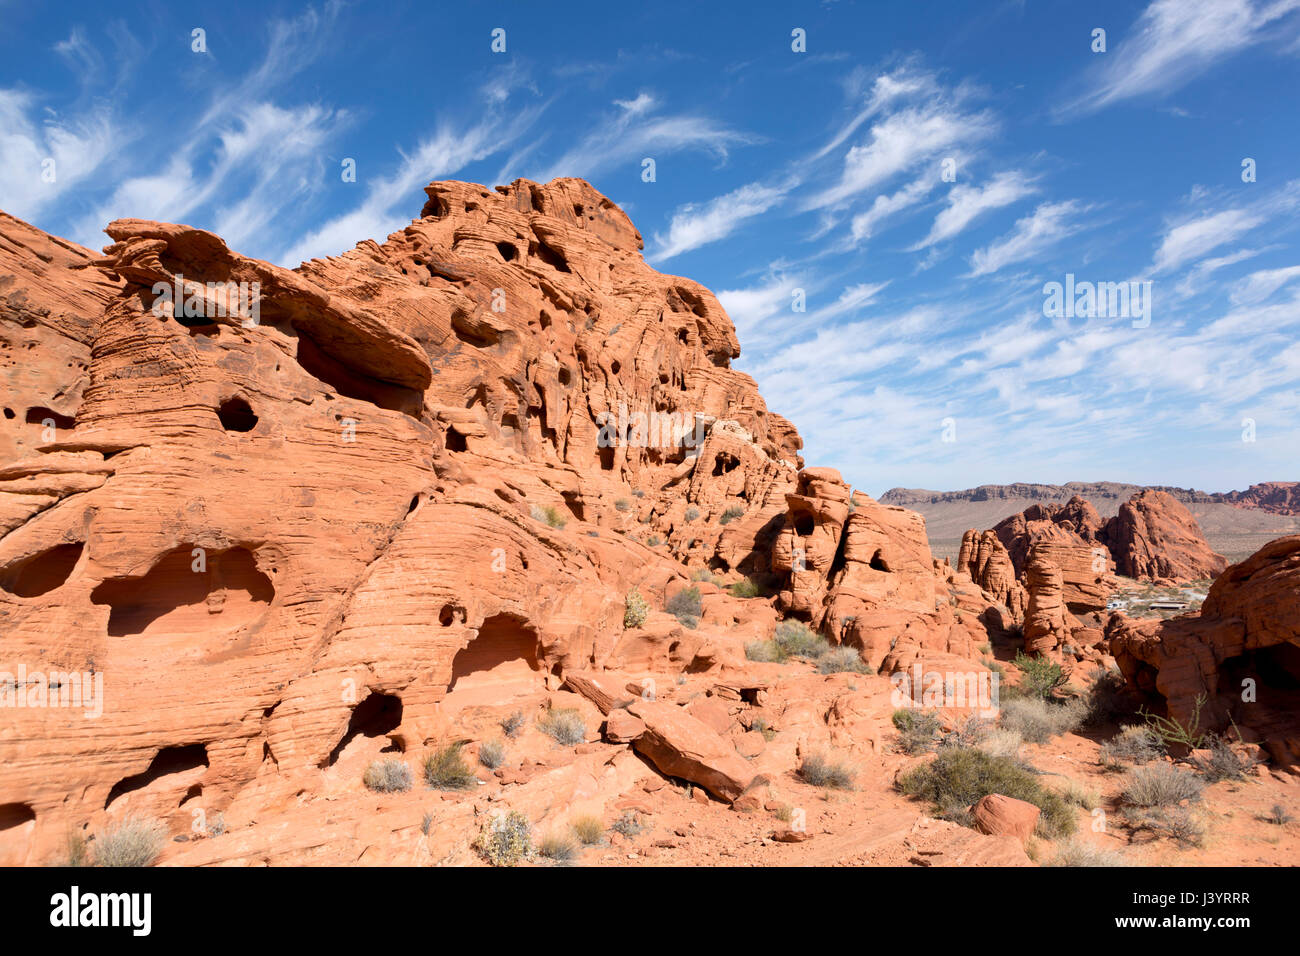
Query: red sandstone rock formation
988	563
1241	653
1155	537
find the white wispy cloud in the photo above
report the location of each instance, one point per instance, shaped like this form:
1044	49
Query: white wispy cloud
1174	41
695	225
1260	285
967	203
1193	238
634	132
900	142
1044	227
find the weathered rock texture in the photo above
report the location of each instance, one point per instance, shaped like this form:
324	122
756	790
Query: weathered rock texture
1239	658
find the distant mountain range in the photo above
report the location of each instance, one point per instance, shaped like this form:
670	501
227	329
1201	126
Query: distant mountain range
1234	522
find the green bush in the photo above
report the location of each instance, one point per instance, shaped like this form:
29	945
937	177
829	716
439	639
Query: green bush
637	609
917	730
1039	719
959	776
1136	744
731	514
748	587
446	769
1221	762
564	725
1175	734
841	660
388	776
549	515
506	839
1040	676
797	639
135	841
820	772
686	606
1160	785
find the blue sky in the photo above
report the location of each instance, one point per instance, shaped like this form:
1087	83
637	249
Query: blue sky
775	170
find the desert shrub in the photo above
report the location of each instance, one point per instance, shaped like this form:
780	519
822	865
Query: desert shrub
1077	795
506	839
841	660
135	841
217	823
959	776
1079	853
692	513
426	822
764	652
1039	676
797	639
564	725
1000	742
1136	744
1277	816
820	772
388	775
589	830
703	575
549	515
511	725
1174	733
76	851
622	505
1038	719
731	514
629	824
917	730
748	588
761	726
1176	823
686	606
1107	699
638	493
492	753
558	847
637	609
446	769
1160	785
1222	762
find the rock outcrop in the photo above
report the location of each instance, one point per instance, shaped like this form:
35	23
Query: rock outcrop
1155	538
1238	659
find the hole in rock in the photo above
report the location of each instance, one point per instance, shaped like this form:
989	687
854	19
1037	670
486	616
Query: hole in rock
354	384
167	762
552	257
42	572
474	332
566	377
508	251
606	457
376	716
878	561
40	415
9	413
451	614
236	415
614	367
174	599
725	463
14	815
455	440
804	525
498	664
17	824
